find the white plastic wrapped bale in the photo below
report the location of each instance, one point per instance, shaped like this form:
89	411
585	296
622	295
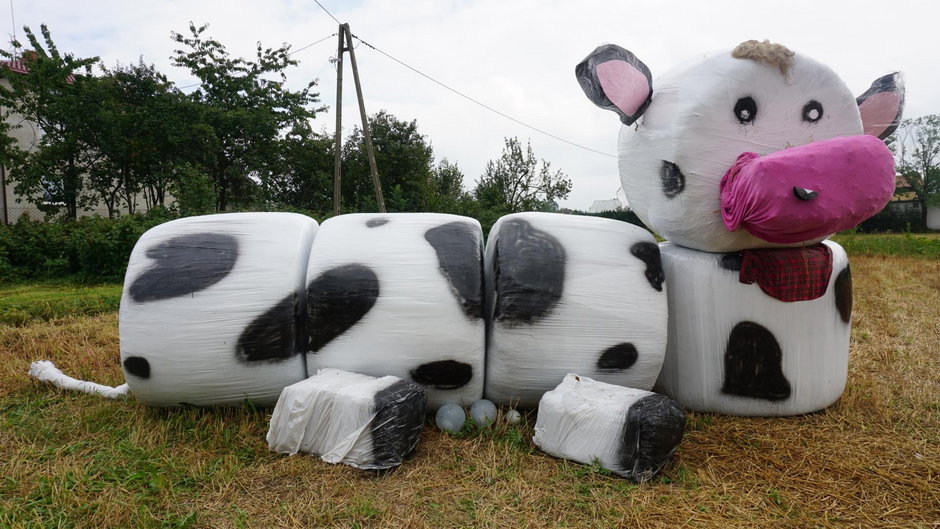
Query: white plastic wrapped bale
362	421
212	309
571	294
630	432
400	294
743	343
724	116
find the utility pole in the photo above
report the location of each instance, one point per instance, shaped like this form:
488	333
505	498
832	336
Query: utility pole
345	44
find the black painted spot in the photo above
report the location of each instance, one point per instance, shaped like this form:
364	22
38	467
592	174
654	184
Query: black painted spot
843	288
185	264
399	417
530	273
336	300
648	252
273	335
672	179
443	374
753	364
651	434
745	110
137	366
617	358
375	223
732	261
812	111
460	255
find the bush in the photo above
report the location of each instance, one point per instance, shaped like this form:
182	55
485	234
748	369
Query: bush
896	217
92	248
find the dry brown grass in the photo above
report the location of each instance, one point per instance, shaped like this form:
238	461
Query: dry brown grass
872	460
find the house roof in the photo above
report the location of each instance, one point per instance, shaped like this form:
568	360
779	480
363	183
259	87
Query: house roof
19	66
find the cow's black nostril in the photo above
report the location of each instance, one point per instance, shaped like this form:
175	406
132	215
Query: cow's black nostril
804	194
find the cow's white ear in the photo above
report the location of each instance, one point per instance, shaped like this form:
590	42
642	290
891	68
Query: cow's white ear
881	105
615	79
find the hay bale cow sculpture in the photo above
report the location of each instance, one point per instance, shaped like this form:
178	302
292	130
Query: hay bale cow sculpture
746	161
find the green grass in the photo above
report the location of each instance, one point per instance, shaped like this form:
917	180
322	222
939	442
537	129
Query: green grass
896	244
25	303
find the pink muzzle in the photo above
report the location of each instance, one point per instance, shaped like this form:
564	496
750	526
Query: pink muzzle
807	192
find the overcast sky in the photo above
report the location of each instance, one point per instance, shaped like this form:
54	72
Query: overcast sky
515	56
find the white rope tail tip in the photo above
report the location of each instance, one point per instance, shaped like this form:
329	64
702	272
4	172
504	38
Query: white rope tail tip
46	371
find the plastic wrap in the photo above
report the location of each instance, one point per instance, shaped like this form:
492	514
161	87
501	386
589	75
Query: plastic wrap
735	349
708	112
46	371
400	294
630	432
212	308
569	293
362	421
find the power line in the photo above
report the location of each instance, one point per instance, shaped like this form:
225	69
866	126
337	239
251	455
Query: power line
311	44
484	105
327	12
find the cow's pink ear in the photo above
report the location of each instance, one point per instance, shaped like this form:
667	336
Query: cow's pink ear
615	79
881	105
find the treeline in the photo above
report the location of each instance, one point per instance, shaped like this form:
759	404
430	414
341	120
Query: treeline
127	138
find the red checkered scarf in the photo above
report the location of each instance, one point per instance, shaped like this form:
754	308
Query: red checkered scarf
788	274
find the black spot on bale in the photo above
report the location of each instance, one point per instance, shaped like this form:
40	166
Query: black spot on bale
753	364
530	273
443	374
843	288
460	256
651	434
617	358
336	300
273	335
375	223
672	179
732	261
185	264
648	252
137	366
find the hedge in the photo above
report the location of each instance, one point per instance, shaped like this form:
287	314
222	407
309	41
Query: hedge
89	249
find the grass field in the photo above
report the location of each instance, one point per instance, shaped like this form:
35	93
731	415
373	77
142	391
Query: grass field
871	460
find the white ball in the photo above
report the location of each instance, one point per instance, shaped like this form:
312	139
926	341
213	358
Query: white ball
513	417
450	418
483	412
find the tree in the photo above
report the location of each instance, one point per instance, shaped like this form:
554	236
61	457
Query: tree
917	153
145	130
246	106
302	176
404	159
515	182
447	185
52	97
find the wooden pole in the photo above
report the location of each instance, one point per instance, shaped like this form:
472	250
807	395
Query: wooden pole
365	125
338	137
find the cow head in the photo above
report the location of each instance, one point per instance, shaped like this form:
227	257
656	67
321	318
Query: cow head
759	147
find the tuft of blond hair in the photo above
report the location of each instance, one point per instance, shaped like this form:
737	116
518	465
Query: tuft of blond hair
767	52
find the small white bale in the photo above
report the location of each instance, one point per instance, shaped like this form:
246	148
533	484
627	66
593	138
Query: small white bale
400	294
630	432
212	308
571	294
362	421
734	349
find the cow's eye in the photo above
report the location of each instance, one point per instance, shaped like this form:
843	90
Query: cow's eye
745	110
812	111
